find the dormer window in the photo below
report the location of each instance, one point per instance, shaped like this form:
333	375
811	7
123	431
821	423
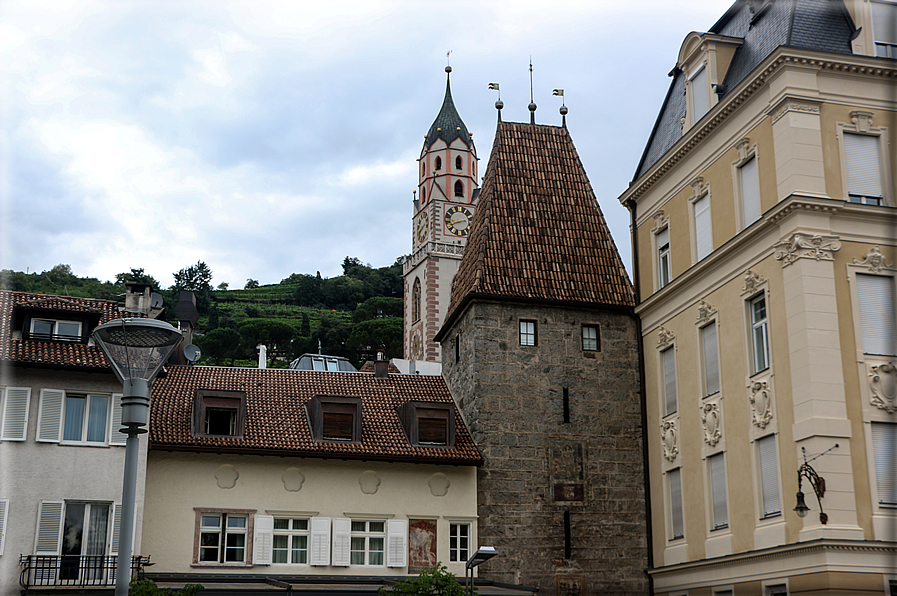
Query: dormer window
699	98
884	28
55	330
428	424
219	413
459	189
459	163
438	163
328	364
335	418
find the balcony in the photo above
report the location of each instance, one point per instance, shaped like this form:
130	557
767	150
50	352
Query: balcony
73	571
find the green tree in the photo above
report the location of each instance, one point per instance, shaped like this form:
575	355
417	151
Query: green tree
305	326
332	332
219	345
378	307
378	335
197	279
435	581
136	276
250	284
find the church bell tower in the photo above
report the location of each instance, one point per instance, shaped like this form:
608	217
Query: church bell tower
446	197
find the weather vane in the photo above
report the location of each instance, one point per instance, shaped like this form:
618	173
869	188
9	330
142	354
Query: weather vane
447	61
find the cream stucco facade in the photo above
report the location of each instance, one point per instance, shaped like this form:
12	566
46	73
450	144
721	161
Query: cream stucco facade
754	349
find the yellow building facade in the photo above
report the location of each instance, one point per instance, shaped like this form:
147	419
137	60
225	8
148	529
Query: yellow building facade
764	230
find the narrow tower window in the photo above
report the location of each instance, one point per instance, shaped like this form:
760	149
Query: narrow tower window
459	163
459	189
438	163
415	301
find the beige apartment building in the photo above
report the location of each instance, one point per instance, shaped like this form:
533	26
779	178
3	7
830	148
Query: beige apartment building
764	246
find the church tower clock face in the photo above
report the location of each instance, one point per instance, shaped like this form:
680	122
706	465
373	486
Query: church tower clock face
457	220
423	227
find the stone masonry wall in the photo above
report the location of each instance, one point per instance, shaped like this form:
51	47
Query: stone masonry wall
537	467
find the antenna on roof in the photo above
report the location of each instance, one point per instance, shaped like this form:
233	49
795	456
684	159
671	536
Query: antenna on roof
532	103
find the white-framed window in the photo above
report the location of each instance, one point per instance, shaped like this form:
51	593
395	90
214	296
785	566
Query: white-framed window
459	542
368	542
81	418
719	509
759	333
15	402
668	363
223	537
290	540
77	528
878	321
710	349
768	464
527	332
328	364
664	270
862	157
699	93
884	28
55	330
4	515
884	449
703	226
749	186
677	526
591	338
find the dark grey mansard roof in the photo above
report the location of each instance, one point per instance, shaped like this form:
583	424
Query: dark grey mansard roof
448	125
822	25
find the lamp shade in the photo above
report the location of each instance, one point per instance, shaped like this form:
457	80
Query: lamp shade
483	554
136	348
801	508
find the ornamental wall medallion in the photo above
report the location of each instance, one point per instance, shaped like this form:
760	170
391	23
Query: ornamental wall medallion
664	339
752	282
862	120
874	260
883	385
761	403
669	436
705	312
710	418
806	246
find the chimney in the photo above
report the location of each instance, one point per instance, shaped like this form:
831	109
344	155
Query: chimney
138	297
381	367
263	355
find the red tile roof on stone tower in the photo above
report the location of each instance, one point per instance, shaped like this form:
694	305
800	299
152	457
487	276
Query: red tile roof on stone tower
538	233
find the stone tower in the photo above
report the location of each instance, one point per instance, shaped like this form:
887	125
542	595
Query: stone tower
540	352
443	209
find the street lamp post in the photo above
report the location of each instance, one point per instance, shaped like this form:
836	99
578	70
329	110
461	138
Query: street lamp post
137	349
483	554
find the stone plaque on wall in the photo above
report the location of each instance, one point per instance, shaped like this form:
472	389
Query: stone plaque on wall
566	460
570	585
421	545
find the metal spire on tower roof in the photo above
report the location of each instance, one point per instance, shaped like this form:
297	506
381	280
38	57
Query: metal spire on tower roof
448	125
532	103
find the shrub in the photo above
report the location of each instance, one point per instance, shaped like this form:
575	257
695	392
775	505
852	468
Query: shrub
435	581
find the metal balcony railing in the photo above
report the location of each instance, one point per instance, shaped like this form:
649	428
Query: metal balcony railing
73	570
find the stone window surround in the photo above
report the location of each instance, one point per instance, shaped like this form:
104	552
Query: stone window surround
761	517
661	223
699	191
762	290
197	530
668	507
669	423
746	152
862	123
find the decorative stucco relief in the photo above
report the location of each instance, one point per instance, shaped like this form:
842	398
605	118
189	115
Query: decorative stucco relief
697	187
761	403
369	482
439	484
664	338
293	479
226	476
862	120
752	283
660	222
883	386
806	246
669	437
705	312
802	107
710	419
874	260
743	147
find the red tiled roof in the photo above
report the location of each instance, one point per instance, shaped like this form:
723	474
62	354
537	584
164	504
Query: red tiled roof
276	420
45	352
538	232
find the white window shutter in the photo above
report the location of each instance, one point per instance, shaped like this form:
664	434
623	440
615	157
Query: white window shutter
711	359
703	227
750	192
863	165
875	298
320	541
49	528
669	379
116	437
699	93
718	490
884	447
396	549
15	413
342	534
769	481
4	515
49	415
116	529
263	540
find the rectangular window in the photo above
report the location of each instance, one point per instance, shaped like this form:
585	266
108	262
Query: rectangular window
663	257
711	359
4	515
777	590
759	334
668	359
219	413
769	479
750	191
222	538
699	101
290	543
884	448
368	539
527	333
51	329
875	298
718	491
863	161
884	28
677	525
85	418
335	418
459	542
432	426
591	338
703	229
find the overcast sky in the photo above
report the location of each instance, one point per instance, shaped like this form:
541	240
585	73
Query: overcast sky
276	137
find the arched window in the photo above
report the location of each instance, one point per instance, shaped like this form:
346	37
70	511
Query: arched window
459	163
459	189
415	301
423	194
438	163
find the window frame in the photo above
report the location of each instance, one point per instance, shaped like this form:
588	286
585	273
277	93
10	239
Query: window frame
862	125
458	553
861	333
716	466
768	478
694	93
890	48
459	163
666	399
597	339
412	412
54	336
747	153
416	300
755	325
291	533
674	503
883	463
367	535
223	530
703	195
705	364
664	259
319	405
85	424
207	399
530	335
458	188
437	164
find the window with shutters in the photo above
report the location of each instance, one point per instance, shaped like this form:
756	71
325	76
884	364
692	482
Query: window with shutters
865	176
677	526
768	465
719	513
77	529
702	226
710	360
222	536
668	365
747	184
219	413
79	418
884	448
368	542
884	28
290	540
14	406
335	418
4	515
878	321
664	266
459	542
759	333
